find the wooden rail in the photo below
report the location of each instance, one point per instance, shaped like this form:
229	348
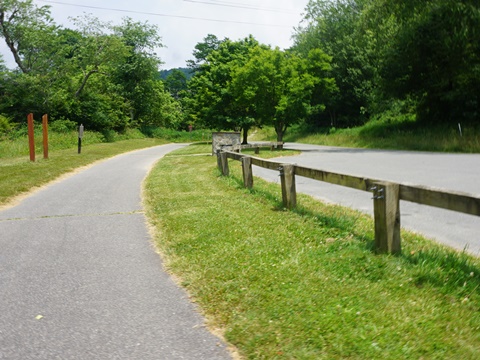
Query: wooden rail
257	146
386	195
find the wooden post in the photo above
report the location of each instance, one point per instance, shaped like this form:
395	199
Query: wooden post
31	137
222	162
257	150
219	161
45	136
289	192
386	206
247	172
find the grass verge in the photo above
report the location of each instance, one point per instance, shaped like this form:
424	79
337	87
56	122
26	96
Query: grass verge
18	175
305	284
393	136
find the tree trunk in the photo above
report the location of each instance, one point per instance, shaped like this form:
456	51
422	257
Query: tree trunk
245	135
11	43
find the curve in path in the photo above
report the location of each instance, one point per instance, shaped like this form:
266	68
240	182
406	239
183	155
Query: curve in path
79	277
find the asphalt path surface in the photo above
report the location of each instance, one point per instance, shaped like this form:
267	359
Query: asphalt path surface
458	172
80	278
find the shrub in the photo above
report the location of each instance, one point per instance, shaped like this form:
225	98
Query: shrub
63	126
5	125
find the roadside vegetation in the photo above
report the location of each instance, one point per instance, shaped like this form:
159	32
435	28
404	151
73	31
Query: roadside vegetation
385	135
18	175
305	284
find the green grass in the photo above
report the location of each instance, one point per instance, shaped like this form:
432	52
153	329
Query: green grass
18	175
17	144
305	284
384	135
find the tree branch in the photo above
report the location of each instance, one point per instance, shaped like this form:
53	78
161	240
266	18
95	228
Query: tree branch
84	82
10	42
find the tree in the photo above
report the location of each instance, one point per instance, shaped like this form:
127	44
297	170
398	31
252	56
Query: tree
336	28
202	50
137	74
279	86
391	52
176	83
103	76
435	58
213	101
28	31
98	52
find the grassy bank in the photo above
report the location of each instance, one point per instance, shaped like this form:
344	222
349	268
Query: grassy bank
15	144
384	135
305	284
18	175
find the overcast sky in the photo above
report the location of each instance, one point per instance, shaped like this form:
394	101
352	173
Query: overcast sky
184	23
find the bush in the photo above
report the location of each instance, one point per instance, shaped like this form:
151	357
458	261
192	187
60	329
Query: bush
109	136
5	125
63	126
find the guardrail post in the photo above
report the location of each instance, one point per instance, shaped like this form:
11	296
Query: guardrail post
222	162
289	192
247	172
386	206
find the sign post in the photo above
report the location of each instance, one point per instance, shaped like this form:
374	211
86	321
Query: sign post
80	136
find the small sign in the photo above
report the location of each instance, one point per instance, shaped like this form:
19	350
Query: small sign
80	131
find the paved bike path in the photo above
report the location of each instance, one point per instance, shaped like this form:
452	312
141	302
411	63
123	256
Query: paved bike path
80	279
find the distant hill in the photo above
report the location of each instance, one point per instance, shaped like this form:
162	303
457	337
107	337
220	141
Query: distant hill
164	73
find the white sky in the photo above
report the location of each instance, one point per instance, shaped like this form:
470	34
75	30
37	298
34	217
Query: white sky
180	25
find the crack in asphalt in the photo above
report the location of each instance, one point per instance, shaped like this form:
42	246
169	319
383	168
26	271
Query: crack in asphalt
134	212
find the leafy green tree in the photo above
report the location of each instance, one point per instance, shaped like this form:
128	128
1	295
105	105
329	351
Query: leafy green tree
103	76
335	27
176	83
435	59
28	31
98	52
214	105
202	50
385	52
279	86
137	74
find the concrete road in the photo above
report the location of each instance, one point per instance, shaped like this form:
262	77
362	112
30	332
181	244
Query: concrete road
459	172
80	279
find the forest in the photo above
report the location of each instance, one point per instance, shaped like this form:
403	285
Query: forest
352	61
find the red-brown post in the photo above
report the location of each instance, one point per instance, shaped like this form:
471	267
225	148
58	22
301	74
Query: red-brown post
31	137
45	136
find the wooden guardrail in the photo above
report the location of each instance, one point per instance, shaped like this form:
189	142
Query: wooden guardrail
386	195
